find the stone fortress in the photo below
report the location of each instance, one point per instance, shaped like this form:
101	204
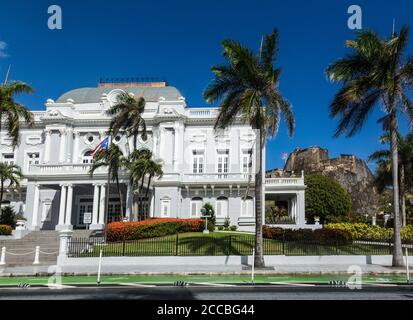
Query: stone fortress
349	171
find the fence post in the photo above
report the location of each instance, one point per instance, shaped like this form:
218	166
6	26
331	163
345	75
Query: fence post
230	245
283	242
123	248
177	244
390	248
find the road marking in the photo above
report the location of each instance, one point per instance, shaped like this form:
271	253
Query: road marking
380	284
294	284
58	286
214	284
134	284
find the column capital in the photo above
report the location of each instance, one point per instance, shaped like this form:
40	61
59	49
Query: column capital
63	131
47	132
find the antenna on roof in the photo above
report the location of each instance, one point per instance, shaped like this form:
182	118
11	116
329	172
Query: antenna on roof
7	74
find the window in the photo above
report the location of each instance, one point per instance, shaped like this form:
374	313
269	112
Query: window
222	163
196	206
198	161
8	158
247	207
165	207
34	158
87	157
246	161
222	207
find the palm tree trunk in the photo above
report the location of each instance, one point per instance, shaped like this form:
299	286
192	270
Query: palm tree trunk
403	194
122	213
397	248
1	192
147	191
259	257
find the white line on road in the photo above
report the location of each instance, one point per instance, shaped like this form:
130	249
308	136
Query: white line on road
134	284
214	284
294	284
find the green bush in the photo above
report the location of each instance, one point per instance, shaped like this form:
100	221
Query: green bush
220	228
363	231
321	236
227	222
325	198
233	228
8	217
5	230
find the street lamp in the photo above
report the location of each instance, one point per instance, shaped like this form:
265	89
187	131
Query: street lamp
206	216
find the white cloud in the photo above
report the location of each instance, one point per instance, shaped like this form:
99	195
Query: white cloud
3	46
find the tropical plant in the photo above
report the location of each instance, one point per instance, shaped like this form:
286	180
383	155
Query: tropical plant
127	115
247	89
375	74
10	174
8	217
142	166
325	198
113	159
383	178
208	211
12	111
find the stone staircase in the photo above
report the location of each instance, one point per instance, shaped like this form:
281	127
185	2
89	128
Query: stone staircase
22	252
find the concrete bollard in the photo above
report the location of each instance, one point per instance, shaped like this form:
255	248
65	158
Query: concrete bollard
3	256
36	255
65	237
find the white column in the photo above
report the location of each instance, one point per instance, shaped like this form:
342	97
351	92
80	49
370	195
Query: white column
68	219
62	151
35	216
130	143
75	151
69	145
62	209
152	212
129	202
176	143
102	204
47	139
95	204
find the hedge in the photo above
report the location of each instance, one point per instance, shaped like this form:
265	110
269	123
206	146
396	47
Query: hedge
150	228
363	231
321	236
5	230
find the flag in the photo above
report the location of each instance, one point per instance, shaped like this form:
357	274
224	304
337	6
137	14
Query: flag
102	146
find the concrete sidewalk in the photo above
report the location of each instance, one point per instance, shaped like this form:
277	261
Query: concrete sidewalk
197	269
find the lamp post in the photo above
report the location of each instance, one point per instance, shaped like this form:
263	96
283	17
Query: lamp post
206	216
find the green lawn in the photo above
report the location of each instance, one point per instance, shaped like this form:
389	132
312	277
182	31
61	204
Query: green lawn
170	279
220	244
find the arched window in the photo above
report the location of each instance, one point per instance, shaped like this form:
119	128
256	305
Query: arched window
196	206
87	157
222	207
247	207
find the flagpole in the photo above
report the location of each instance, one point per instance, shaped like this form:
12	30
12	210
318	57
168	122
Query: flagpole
7	74
107	189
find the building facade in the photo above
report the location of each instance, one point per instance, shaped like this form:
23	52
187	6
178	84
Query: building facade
201	165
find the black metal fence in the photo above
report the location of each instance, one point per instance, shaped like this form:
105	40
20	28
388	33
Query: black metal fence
230	245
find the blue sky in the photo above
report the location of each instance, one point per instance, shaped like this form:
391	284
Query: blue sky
180	40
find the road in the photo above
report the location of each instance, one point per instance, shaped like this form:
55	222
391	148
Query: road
207	292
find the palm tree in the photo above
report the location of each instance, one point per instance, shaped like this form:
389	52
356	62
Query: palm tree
383	177
247	88
10	173
153	170
375	74
127	115
114	160
13	111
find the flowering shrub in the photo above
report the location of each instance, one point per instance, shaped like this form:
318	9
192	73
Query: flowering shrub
150	228
365	231
5	230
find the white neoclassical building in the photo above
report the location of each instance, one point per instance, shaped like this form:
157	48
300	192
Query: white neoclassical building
200	165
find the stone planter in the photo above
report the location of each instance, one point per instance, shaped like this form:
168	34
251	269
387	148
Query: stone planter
21	225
